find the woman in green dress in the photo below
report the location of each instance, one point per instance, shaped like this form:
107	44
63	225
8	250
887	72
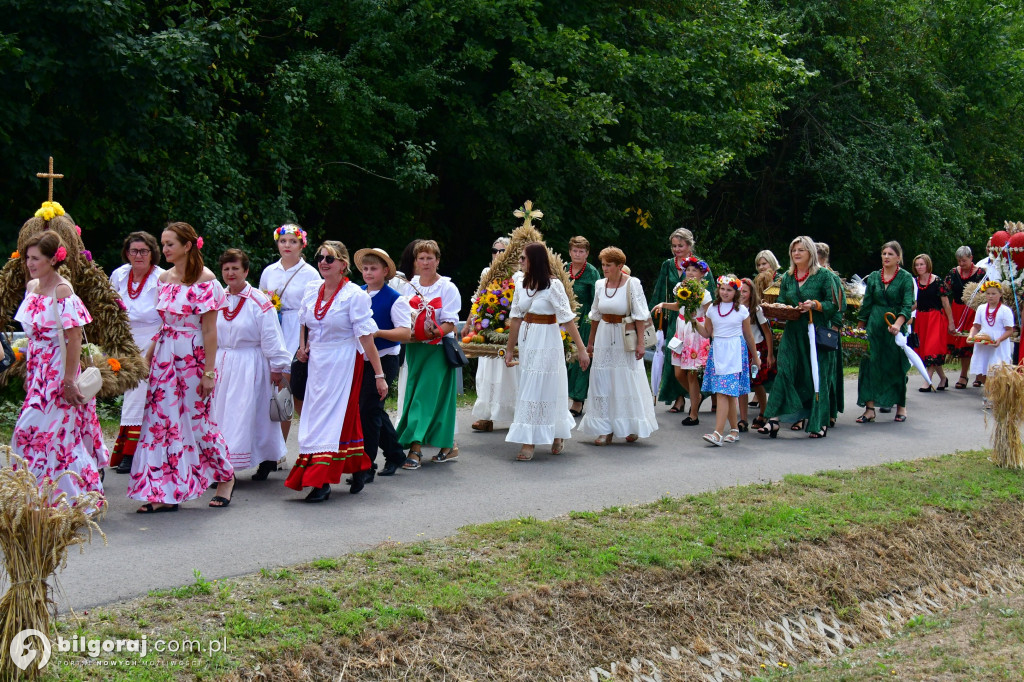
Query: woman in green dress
672	273
583	276
809	288
838	397
883	371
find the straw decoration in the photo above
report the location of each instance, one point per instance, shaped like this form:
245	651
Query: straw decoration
1004	386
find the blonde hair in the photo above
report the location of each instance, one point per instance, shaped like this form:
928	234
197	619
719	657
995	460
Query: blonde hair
338	250
768	256
812	253
682	233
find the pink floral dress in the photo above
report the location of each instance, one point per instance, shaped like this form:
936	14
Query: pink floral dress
52	435
181	450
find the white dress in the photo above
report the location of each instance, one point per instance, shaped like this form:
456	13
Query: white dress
619	401
249	347
986	356
145	323
496	384
542	405
275	278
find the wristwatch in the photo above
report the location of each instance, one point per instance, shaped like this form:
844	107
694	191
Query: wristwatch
210	374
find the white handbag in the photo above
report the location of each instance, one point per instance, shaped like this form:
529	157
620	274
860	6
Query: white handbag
89	380
281	405
629	330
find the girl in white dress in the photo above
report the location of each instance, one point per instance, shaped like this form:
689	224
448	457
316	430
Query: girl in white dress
620	399
287	279
251	360
136	282
496	384
994	320
539	306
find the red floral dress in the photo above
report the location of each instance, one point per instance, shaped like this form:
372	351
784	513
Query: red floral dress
181	450
53	436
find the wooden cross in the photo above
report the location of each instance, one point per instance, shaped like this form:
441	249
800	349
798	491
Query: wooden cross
51	176
527	213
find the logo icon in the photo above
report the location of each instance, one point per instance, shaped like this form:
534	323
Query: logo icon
23	654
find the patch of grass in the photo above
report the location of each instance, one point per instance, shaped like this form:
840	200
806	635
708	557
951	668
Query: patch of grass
283	610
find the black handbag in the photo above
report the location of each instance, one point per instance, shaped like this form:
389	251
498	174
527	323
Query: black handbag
825	338
453	352
8	358
300	372
913	340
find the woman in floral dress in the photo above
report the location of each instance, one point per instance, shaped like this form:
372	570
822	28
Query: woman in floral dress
57	431
181	451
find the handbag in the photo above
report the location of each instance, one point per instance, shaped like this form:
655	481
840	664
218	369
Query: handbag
453	352
8	358
281	405
913	340
89	380
825	338
629	327
299	373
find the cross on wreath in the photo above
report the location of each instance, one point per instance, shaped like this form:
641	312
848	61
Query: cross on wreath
527	213
51	176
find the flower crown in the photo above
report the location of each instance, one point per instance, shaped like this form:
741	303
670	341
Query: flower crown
695	262
731	281
290	229
989	285
49	209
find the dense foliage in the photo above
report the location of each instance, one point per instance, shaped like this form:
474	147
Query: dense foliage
376	121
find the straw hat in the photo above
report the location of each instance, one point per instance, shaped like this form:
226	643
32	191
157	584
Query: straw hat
379	253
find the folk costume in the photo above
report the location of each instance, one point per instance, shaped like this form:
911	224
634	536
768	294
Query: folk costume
249	347
583	285
766	375
620	397
290	285
542	406
883	370
931	323
181	451
672	273
728	366
52	435
330	431
837	397
693	350
792	397
390	310
139	299
963	315
428	415
497	384
994	323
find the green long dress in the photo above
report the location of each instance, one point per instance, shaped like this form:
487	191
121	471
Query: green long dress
883	370
792	396
668	277
838	398
579	380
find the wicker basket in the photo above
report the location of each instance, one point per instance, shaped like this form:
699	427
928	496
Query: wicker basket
780	312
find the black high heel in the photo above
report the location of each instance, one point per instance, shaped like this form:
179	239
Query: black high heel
773	428
819	434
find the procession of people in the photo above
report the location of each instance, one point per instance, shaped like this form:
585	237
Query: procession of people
572	363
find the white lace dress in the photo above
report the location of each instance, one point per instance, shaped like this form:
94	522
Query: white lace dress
542	404
497	385
620	401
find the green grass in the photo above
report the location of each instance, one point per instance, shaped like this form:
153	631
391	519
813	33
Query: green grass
278	611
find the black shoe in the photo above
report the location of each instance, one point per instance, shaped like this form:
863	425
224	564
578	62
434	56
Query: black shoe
359	480
319	494
885	410
264	471
690	421
389	469
125	465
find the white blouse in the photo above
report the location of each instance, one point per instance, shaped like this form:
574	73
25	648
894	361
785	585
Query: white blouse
550	301
348	318
627	299
274	278
451	299
142	312
255	326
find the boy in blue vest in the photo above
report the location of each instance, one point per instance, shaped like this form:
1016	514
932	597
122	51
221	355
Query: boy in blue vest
391	312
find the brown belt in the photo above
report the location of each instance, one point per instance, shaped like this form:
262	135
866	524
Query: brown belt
612	319
539	319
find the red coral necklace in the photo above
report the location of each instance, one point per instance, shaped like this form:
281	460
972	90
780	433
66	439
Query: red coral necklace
731	308
969	274
922	287
798	278
577	275
232	314
990	315
135	292
320	308
886	282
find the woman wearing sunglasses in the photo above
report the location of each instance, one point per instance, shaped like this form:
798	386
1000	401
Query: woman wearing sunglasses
336	326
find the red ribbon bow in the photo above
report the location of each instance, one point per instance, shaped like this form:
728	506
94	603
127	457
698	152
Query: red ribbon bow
425	326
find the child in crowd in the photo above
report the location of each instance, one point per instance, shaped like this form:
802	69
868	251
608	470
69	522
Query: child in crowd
762	331
993	326
727	374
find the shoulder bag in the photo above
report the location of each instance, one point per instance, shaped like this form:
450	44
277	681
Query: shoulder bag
300	370
89	380
825	338
281	405
629	328
453	352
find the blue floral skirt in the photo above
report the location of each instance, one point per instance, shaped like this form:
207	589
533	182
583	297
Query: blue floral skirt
728	384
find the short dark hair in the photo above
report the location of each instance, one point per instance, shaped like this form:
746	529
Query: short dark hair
150	242
235	256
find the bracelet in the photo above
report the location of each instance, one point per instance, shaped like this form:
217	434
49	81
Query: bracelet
378	376
211	374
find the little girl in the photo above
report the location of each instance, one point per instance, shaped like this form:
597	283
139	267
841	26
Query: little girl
692	352
996	321
750	298
727	324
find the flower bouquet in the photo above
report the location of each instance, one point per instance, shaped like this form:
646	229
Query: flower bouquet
275	298
689	295
490	310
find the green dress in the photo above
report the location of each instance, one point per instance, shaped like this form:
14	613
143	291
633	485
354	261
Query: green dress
792	396
838	398
883	370
668	277
579	380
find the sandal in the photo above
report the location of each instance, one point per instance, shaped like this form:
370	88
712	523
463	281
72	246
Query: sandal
715	438
743	426
222	501
525	455
558	445
148	508
900	418
961	384
446	454
798	425
773	428
759	421
482	425
576	413
864	418
603	440
731	438
978	383
632	438
412	461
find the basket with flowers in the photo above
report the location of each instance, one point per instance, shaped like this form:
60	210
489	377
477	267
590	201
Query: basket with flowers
689	295
490	310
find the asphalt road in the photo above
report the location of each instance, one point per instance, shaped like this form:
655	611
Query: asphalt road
268	525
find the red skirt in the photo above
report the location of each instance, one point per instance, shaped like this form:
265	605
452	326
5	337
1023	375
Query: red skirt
963	318
933	335
126	443
316	469
763	374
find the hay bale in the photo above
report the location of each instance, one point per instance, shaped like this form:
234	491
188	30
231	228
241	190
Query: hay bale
1004	386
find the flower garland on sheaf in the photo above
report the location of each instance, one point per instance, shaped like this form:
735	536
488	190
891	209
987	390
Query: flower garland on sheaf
689	295
490	310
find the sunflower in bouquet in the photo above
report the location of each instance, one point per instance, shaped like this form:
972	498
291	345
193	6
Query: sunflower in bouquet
689	294
490	309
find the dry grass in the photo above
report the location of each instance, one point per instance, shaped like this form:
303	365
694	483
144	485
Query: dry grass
1005	390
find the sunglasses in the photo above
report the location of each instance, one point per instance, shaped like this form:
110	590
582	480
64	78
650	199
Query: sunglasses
496	251
320	257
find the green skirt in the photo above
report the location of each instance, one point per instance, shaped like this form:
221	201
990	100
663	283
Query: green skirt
579	380
428	416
